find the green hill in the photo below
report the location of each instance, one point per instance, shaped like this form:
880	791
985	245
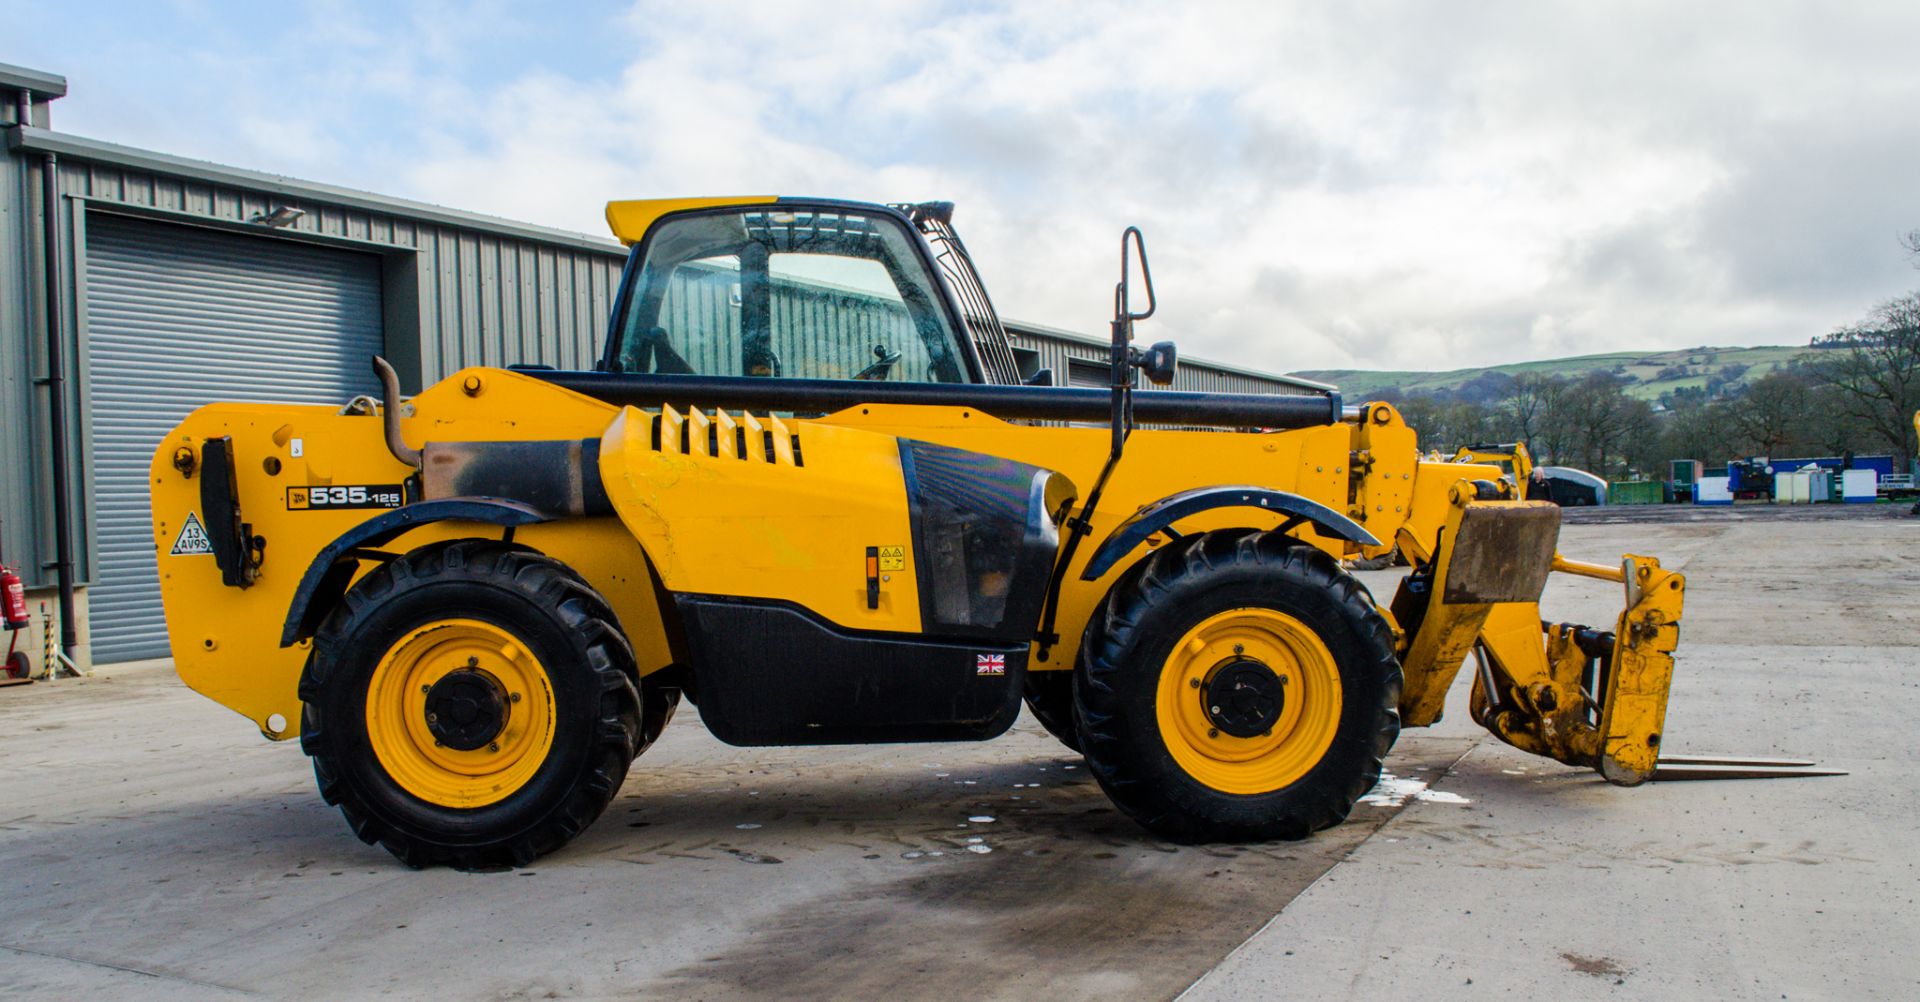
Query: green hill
1652	373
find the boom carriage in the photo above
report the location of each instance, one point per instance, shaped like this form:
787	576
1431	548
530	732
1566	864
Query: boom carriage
477	606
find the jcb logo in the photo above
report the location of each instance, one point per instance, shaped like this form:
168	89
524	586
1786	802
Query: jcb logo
344	496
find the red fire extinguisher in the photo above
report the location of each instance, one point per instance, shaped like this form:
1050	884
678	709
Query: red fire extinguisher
13	599
13	610
13	606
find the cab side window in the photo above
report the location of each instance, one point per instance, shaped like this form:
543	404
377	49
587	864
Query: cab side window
787	294
843	318
701	306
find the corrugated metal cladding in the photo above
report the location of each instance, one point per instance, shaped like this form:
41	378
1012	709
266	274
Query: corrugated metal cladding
456	295
1078	361
178	316
492	301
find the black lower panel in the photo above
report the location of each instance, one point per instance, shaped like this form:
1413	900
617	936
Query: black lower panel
772	674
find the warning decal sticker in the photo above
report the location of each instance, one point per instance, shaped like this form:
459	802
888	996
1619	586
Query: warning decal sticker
192	539
893	558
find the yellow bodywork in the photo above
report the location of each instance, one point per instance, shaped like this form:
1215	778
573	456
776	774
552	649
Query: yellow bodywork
1538	696
767	530
704	524
693	518
1514	459
226	641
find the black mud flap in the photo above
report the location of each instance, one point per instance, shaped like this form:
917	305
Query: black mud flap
768	673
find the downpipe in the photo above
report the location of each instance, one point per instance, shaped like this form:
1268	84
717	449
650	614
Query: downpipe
56	383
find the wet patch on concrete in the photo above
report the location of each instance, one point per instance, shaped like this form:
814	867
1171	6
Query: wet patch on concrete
1075	901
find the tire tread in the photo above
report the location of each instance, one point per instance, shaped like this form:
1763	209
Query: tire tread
606	654
1108	690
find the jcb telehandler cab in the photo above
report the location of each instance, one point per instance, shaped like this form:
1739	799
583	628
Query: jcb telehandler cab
806	489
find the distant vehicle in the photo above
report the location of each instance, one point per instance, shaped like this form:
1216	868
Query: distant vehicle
1563	485
1571	488
1750	479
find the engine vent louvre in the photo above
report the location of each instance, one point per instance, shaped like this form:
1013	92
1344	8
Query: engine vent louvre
721	435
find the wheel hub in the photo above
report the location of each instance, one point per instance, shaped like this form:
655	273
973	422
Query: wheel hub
1244	698
466	709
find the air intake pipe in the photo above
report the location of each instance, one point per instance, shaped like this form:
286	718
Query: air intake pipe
390	413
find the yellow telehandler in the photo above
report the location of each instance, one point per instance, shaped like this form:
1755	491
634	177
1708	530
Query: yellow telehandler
807	488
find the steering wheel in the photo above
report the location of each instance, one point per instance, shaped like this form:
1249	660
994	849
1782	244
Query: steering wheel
882	367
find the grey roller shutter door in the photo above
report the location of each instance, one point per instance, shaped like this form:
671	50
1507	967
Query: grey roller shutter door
177	317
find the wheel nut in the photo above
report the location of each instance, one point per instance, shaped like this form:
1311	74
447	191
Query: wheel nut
493	746
1214	709
473	662
514	697
433	718
1212	733
1193	682
1239	648
426	689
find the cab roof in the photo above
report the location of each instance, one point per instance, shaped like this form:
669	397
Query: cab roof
631	219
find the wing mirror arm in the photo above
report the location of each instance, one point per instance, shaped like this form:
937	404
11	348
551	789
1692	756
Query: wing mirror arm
1121	358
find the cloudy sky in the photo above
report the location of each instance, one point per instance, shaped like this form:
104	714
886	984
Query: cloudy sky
1371	185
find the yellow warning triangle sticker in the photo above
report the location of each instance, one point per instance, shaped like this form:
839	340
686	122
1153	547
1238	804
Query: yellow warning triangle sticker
192	539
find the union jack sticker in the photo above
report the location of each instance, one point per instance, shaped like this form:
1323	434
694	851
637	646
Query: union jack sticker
990	664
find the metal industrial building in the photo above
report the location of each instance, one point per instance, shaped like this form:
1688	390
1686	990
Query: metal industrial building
178	282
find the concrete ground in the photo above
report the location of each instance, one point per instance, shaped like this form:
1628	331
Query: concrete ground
152	845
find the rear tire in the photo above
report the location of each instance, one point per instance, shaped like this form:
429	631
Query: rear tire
538	714
1281	636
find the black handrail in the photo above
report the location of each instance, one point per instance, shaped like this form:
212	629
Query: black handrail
1044	403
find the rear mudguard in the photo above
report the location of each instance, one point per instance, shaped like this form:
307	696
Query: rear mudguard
327	577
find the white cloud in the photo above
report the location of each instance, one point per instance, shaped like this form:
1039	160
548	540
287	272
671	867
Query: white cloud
1387	186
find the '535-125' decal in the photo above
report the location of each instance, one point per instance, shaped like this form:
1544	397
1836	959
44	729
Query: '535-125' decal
341	497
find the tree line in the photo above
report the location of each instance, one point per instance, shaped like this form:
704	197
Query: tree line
1856	393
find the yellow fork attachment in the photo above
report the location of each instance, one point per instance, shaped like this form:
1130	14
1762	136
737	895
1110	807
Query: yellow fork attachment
1585	698
1580	696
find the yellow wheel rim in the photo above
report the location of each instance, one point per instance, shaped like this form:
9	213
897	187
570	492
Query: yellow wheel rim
1309	713
397	725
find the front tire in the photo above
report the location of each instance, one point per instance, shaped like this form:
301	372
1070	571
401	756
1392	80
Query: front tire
1239	686
472	704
